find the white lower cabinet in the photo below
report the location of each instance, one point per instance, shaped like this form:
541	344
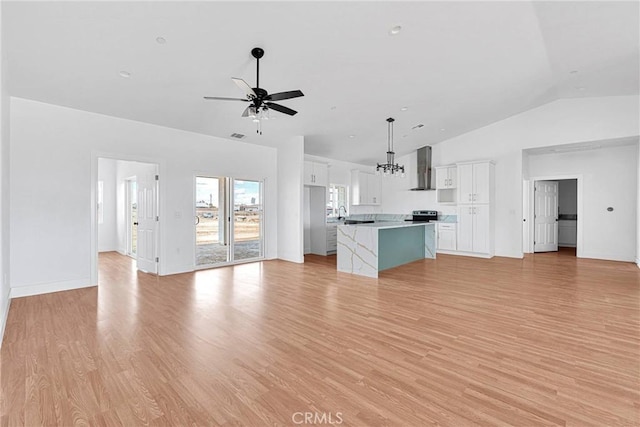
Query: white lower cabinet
447	240
474	229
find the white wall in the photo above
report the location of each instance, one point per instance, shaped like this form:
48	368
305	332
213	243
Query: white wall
560	122
107	231
568	196
638	214
609	179
4	186
53	150
290	200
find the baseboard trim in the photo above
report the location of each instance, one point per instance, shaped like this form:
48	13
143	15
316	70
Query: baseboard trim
3	320
471	254
606	257
46	288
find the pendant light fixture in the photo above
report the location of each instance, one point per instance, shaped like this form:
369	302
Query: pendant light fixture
390	168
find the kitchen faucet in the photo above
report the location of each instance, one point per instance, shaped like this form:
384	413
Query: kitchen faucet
345	212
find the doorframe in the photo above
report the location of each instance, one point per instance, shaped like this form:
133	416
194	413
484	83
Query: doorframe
528	224
93	239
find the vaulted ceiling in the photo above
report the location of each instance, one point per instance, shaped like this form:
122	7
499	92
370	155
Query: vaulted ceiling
454	66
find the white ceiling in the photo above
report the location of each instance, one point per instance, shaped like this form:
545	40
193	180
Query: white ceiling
457	66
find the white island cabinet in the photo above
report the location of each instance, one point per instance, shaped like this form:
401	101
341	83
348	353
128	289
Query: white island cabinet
367	249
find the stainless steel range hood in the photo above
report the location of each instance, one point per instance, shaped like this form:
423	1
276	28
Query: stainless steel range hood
424	169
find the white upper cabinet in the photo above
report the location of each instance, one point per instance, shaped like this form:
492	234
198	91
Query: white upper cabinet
365	188
446	177
316	174
474	183
374	188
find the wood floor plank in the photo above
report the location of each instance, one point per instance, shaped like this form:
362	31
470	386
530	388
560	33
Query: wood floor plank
544	341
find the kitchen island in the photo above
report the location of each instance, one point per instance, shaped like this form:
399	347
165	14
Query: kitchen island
367	249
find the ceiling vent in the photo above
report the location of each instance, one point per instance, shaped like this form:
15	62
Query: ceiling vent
237	135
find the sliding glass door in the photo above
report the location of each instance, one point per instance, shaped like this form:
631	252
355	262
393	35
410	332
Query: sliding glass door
247	219
228	221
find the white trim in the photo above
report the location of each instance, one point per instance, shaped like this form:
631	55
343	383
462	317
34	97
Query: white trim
471	254
45	288
606	257
3	319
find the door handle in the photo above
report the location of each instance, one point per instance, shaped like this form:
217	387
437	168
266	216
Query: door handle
135	223
197	220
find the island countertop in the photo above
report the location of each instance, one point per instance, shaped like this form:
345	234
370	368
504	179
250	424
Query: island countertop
389	224
369	248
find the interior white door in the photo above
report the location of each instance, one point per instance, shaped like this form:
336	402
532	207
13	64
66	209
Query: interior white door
147	222
545	216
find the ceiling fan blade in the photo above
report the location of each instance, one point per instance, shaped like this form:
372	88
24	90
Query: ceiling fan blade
281	108
284	95
220	98
244	86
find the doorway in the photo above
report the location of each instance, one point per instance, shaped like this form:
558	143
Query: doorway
554	208
127	212
228	218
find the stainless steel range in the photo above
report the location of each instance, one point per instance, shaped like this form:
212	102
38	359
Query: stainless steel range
424	216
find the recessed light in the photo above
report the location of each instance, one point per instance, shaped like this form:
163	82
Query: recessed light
442	129
404	108
352	136
573	72
161	40
404	136
395	30
125	74
581	88
333	108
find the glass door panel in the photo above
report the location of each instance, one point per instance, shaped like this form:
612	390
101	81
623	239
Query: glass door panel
247	219
212	231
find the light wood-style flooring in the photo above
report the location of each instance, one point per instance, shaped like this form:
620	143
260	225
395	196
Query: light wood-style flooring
545	341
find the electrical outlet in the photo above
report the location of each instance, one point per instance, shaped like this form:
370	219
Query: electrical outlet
177	215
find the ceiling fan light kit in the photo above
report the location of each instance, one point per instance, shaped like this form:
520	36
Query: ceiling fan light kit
390	168
261	102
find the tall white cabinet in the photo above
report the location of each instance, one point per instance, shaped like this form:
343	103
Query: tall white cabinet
475	208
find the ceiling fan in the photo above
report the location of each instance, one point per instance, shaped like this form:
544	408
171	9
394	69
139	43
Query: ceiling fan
260	100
